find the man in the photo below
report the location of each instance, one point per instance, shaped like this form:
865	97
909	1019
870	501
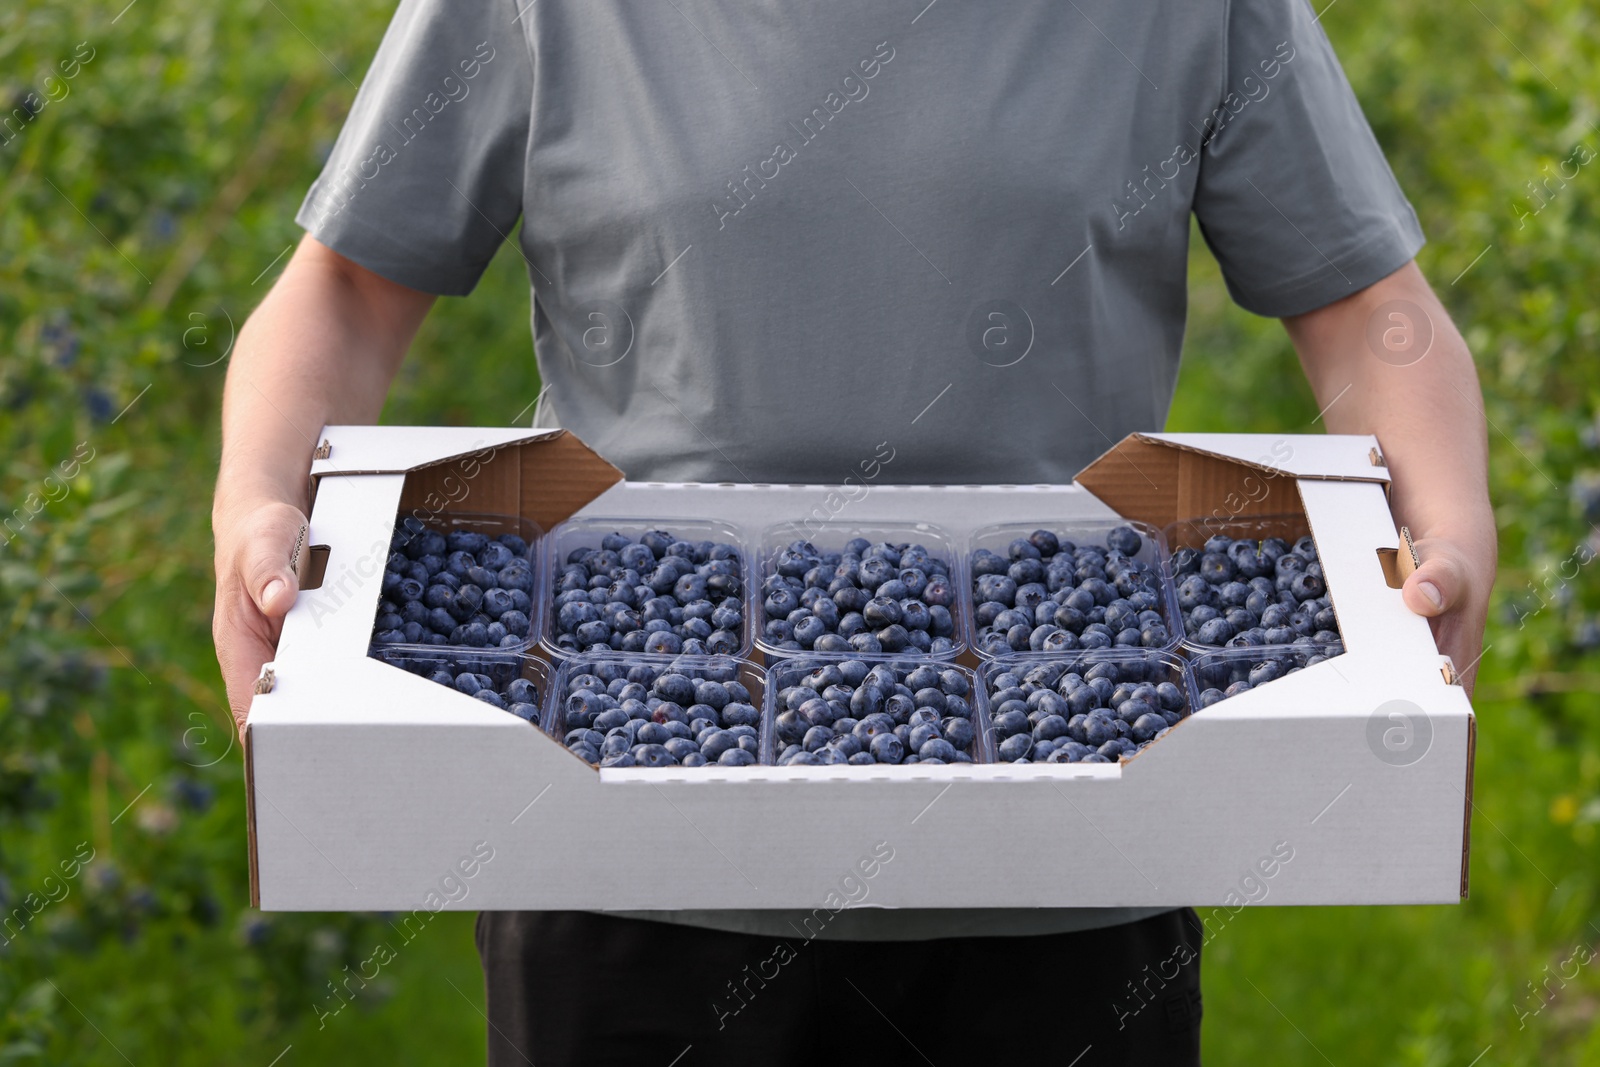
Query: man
762	241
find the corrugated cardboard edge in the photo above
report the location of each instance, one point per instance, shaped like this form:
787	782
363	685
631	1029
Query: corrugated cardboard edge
1466	814
328	464
1380	471
250	817
331	459
1114	458
1406	560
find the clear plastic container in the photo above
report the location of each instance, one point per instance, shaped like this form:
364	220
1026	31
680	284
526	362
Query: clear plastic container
1152	551
1125	666
587	533
500	670
491	526
1193	533
560	717
1217	672
784	673
832	537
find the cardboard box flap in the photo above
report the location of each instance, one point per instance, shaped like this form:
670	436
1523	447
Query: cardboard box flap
397	449
543	475
1162	478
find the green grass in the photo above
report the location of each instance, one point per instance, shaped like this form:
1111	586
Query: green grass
184	147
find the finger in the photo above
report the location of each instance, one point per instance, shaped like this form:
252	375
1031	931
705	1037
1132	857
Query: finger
241	652
1437	586
265	566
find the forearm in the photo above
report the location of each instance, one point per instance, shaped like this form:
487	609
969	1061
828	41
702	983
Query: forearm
1425	407
1428	415
322	347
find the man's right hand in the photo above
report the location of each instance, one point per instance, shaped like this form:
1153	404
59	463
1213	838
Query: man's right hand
256	587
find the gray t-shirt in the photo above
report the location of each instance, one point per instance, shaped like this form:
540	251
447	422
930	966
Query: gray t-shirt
765	238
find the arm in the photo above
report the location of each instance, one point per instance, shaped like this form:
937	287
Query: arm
321	348
1428	415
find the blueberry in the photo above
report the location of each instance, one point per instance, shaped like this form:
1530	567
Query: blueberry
468	541
740	714
494	556
652	755
886	748
1306	586
616	739
713	745
1015	747
1045	542
986	562
651	733
921	733
874	725
1125	539
1011	722
1098	729
1147	726
881	611
816	738
1216	568
711	693
663	643
846	744
1049	728
587	752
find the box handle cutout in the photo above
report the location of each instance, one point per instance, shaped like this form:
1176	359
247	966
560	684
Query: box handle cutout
314	566
1399	564
324	450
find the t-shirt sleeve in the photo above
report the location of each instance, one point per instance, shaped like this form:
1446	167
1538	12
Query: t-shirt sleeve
1293	194
426	177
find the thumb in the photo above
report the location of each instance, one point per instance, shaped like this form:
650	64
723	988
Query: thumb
1437	586
267	565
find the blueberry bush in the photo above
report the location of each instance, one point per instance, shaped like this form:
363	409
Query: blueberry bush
151	159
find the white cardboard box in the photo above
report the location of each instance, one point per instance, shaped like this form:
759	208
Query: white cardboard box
371	788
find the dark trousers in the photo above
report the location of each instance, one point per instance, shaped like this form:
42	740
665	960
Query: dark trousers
573	987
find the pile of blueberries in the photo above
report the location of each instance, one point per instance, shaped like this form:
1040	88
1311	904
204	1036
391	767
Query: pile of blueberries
869	599
855	713
1047	594
1086	710
496	682
688	713
1224	676
1245	594
459	587
657	594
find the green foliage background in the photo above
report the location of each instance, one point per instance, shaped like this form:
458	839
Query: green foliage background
140	218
